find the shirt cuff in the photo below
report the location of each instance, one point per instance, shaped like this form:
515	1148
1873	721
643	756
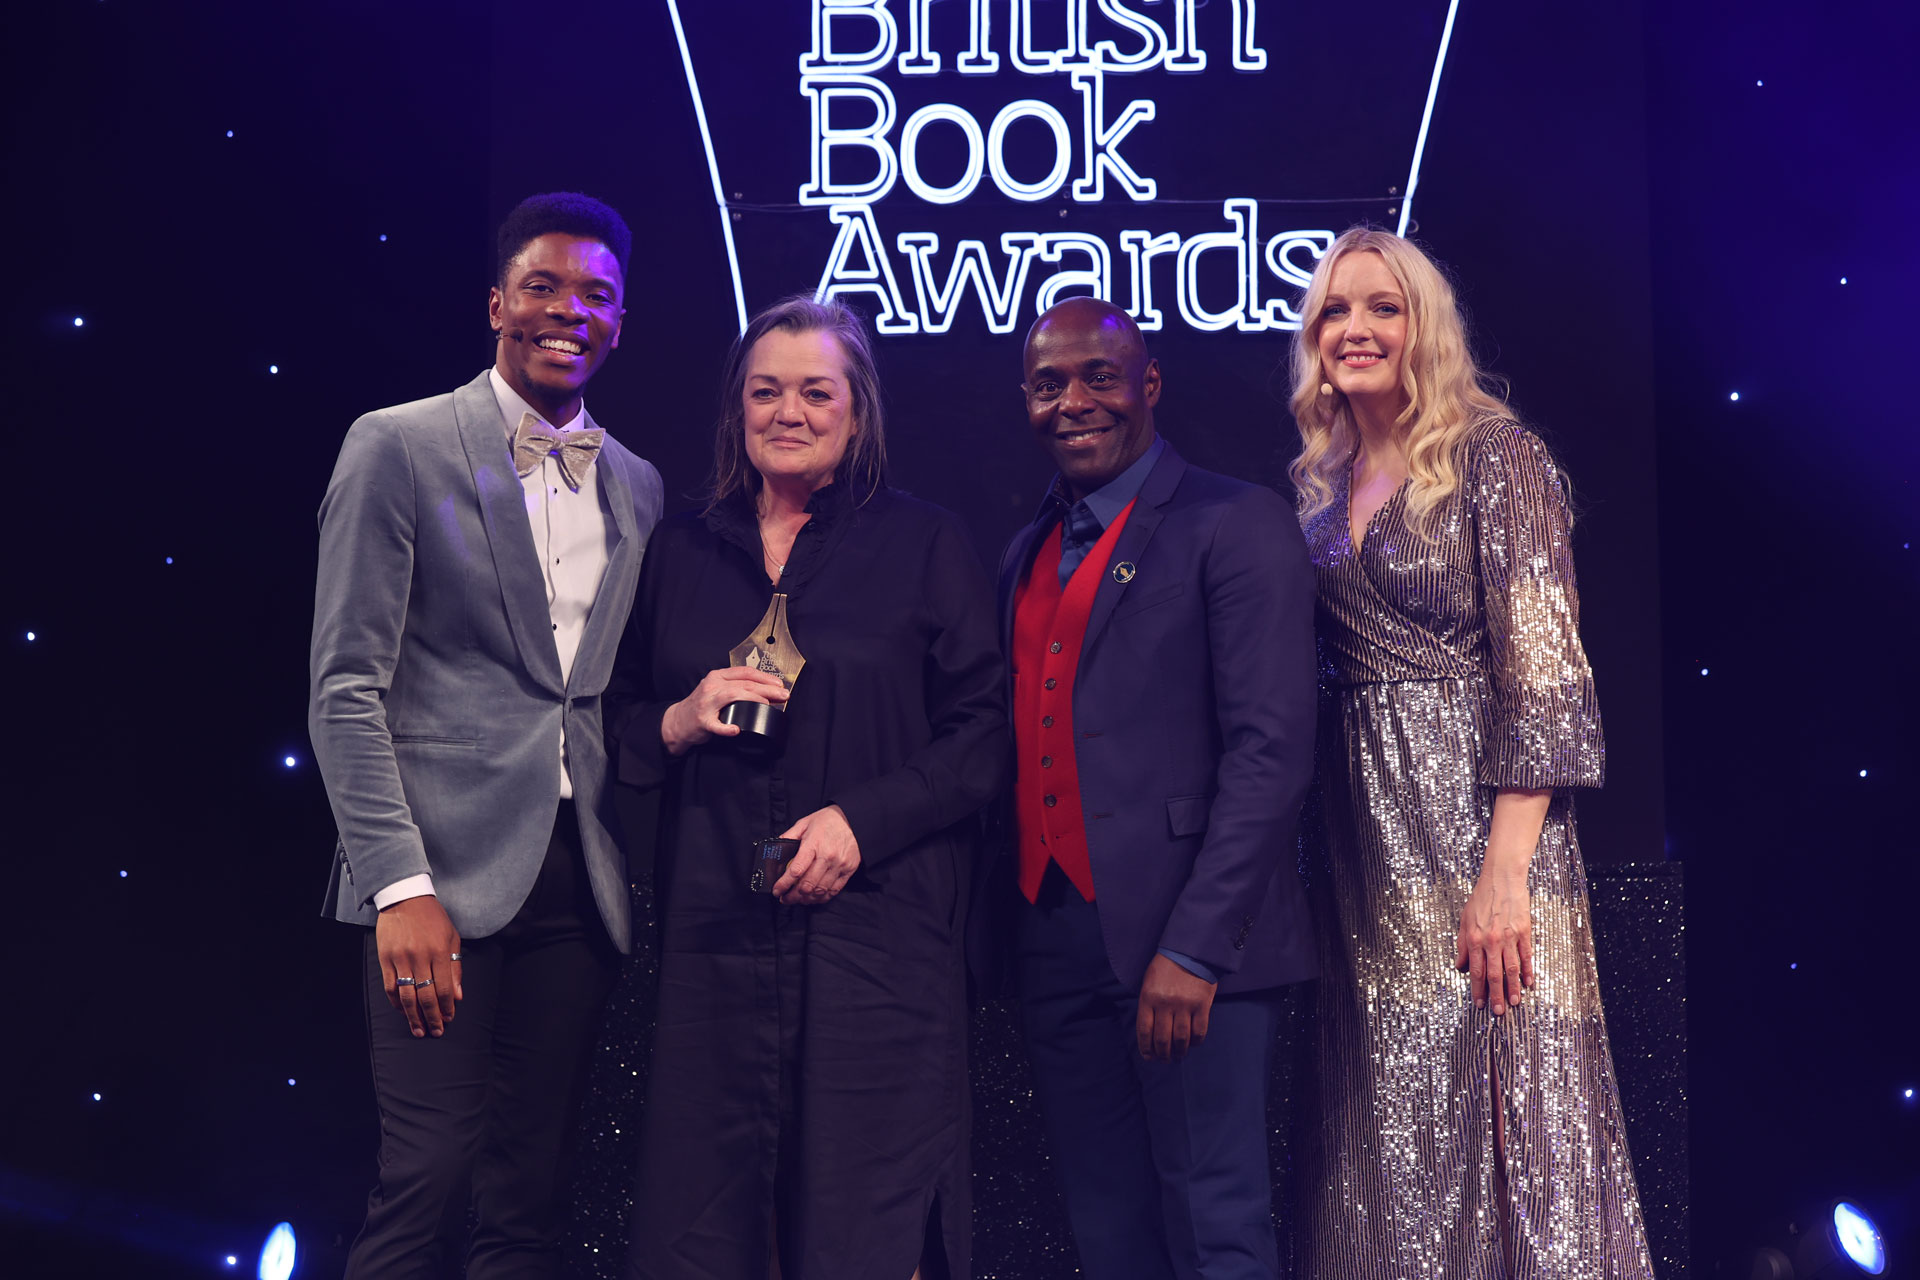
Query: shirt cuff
420	886
1186	962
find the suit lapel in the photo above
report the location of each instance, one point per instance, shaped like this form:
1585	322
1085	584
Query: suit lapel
1148	511
611	601
503	510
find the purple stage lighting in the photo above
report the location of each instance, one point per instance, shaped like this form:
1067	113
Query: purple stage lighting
278	1253
1859	1238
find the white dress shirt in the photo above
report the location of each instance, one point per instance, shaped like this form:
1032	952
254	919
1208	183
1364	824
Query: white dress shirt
571	535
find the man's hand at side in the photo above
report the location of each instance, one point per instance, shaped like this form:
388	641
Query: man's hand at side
416	940
1174	1005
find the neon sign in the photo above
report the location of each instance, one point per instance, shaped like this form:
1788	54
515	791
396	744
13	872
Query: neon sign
928	193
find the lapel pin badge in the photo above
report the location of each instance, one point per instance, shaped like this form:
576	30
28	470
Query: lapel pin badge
1124	571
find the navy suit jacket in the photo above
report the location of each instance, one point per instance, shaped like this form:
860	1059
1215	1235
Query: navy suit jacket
1193	713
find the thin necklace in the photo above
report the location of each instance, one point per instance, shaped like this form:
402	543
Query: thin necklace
779	569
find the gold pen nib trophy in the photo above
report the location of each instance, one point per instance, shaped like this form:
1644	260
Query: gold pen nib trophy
763	726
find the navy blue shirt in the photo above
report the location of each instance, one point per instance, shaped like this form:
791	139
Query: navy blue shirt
1088	518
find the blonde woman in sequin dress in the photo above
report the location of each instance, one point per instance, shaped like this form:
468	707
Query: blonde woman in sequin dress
1468	1123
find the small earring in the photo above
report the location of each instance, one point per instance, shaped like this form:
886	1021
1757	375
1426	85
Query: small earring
497	335
1326	388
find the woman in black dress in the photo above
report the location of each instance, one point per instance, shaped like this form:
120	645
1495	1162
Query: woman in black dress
808	1098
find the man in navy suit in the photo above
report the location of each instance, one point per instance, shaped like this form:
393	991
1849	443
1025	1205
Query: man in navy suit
1159	619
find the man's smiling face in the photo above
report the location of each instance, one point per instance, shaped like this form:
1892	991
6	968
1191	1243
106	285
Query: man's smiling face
557	311
1091	389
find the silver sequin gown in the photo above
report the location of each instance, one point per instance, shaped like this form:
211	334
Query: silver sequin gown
1455	668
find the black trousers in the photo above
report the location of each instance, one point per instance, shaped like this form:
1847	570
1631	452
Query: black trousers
483	1117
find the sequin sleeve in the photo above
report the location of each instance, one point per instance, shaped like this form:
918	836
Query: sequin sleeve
1545	723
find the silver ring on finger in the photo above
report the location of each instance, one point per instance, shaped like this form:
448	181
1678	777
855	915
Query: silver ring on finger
455	957
424	982
404	982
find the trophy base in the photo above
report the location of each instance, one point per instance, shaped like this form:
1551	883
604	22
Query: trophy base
763	727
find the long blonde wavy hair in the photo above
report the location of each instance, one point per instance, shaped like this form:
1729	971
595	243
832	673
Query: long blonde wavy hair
1447	394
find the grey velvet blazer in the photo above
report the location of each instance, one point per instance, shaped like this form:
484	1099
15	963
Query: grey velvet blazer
436	703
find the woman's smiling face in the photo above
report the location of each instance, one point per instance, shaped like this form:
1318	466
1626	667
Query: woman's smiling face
1363	328
799	407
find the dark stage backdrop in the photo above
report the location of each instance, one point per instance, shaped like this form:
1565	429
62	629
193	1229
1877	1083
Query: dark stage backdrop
269	219
1533	188
1789	528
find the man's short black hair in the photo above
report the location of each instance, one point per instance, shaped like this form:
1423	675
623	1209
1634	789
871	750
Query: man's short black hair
569	213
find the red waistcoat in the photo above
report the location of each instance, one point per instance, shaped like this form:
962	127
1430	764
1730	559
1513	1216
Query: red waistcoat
1049	624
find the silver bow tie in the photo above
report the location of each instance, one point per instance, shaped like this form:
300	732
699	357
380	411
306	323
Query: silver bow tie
573	450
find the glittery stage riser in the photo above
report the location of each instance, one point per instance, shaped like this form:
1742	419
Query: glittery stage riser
1019	1228
1639	931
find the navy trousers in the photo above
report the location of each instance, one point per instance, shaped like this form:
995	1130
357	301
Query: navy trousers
1163	1166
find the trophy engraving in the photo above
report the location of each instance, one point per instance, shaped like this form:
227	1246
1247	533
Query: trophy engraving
763	727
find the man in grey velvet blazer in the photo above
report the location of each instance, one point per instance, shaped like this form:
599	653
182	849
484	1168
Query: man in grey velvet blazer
478	556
